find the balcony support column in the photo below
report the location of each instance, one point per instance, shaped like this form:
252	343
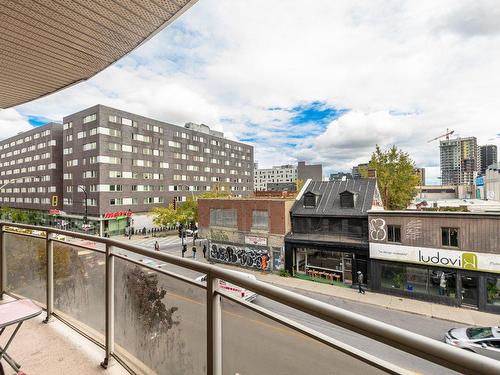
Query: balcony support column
3	264
110	308
214	327
49	250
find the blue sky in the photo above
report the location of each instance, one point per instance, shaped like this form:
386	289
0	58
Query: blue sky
322	82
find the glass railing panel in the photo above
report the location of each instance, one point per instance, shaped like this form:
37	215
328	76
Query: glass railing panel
254	344
160	322
26	260
79	285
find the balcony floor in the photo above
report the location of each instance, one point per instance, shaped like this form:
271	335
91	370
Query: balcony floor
55	349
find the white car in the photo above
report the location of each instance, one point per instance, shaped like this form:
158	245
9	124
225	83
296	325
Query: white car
480	340
232	289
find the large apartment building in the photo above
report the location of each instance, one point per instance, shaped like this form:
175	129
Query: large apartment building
129	162
30	169
284	175
487	157
459	161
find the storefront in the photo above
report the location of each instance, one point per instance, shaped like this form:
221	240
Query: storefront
326	262
452	277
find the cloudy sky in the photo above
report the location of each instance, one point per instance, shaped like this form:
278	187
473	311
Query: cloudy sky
322	81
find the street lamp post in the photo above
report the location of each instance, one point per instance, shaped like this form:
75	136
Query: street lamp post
85	221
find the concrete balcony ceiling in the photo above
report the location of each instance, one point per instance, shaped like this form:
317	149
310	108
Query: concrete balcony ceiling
47	45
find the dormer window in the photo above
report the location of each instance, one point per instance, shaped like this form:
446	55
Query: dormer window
310	199
347	199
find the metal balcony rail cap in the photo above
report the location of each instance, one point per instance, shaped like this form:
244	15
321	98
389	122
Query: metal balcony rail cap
421	346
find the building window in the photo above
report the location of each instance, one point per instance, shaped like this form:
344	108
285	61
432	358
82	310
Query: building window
309	199
223	217
115	201
449	237
89	118
394	233
260	219
493	291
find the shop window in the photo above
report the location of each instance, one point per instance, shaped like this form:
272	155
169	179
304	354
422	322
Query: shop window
417	280
442	283
393	276
449	237
493	291
394	233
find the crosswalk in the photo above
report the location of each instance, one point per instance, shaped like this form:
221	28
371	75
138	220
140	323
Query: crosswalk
163	241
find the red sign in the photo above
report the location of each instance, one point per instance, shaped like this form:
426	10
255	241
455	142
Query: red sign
113	215
53	211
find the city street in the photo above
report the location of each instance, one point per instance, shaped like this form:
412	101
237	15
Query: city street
246	321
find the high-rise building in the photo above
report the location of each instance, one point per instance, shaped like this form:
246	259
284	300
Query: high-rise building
31	169
459	161
311	171
281	173
488	156
420	172
356	170
125	161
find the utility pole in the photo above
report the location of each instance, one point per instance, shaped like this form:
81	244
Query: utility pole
85	219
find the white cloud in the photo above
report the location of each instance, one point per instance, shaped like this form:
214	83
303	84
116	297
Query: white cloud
226	62
11	123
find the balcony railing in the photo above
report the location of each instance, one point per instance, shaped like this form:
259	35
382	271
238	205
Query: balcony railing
144	309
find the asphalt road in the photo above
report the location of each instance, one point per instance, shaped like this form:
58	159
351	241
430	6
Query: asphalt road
251	344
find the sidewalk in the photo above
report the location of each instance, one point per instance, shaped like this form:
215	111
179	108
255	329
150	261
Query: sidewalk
433	310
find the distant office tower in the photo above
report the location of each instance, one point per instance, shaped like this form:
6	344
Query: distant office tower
356	170
488	156
459	161
31	169
277	174
420	172
281	176
313	171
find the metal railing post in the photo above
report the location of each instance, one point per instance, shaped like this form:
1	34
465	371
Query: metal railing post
110	308
3	264
214	327
49	250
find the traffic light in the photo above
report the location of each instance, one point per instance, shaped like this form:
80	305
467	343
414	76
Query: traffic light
175	203
180	230
54	201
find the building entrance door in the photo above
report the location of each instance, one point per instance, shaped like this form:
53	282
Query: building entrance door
469	290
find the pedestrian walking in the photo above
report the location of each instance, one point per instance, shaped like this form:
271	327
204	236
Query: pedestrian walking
157	246
205	251
194	252
360	281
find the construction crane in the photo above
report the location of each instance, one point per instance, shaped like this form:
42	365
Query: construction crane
447	135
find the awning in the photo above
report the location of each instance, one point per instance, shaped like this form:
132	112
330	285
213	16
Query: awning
47	45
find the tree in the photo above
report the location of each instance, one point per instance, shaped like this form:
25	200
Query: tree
299	184
185	212
396	177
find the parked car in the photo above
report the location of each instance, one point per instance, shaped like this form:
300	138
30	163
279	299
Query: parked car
190	232
480	340
232	289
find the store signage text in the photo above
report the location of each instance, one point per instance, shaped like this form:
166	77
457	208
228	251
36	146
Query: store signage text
113	215
466	260
436	257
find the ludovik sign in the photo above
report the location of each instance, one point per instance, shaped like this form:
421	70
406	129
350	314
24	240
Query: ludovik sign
465	260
